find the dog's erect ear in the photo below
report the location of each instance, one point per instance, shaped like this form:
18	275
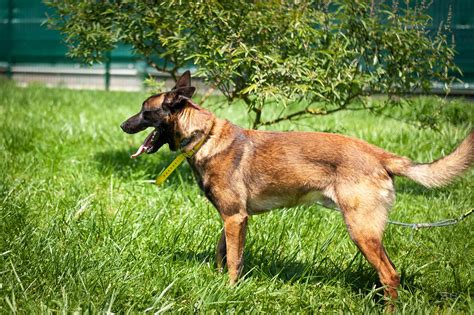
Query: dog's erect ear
183	86
184	81
186	92
180	101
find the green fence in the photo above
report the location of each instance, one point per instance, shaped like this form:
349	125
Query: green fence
462	25
24	38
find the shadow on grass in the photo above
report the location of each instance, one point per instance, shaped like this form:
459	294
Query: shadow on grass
358	276
119	163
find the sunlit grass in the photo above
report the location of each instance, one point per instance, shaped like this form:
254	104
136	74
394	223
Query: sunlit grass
81	231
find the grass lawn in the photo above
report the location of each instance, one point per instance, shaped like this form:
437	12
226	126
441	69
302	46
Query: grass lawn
81	231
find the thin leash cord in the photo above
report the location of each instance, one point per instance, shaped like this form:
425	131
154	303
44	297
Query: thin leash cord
416	226
441	223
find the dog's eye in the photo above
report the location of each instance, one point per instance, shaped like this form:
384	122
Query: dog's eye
148	115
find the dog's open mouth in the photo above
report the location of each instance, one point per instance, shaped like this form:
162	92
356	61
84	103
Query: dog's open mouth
150	145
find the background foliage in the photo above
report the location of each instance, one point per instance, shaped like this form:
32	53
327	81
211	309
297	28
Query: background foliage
327	55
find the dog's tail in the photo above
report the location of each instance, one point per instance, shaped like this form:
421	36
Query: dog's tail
438	173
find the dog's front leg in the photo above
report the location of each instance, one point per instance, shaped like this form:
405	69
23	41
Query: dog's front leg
235	227
221	251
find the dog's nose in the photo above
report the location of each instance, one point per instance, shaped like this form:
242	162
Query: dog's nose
124	126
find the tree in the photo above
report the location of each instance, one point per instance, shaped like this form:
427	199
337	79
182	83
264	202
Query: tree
327	56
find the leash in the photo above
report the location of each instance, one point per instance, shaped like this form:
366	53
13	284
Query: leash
441	223
179	159
416	226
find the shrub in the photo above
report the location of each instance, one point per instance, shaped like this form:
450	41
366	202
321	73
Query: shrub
327	56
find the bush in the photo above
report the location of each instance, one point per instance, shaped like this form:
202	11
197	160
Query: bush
325	55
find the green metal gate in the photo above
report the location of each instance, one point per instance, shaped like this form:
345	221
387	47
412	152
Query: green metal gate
24	38
462	25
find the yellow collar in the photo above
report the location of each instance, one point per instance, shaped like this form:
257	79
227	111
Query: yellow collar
179	159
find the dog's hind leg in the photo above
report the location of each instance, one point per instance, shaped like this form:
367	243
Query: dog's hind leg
365	207
221	252
235	227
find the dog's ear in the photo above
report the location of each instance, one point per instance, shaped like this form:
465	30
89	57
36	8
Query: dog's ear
181	101
183	86
184	81
186	92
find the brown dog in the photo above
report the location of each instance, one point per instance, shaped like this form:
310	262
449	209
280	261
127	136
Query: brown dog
244	172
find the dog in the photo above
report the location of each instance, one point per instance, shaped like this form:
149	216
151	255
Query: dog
245	172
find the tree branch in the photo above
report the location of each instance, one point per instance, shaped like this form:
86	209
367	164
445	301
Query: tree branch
258	111
171	72
258	117
312	112
155	66
207	94
306	111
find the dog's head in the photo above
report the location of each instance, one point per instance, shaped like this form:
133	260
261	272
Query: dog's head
160	111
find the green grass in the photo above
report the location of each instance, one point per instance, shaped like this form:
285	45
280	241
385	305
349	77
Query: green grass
81	231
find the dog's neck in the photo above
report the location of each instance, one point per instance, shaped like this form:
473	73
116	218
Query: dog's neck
217	141
192	124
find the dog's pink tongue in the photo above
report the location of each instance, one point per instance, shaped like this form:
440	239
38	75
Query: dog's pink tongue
145	146
140	150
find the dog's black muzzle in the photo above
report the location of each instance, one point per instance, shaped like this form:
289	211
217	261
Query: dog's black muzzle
134	124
